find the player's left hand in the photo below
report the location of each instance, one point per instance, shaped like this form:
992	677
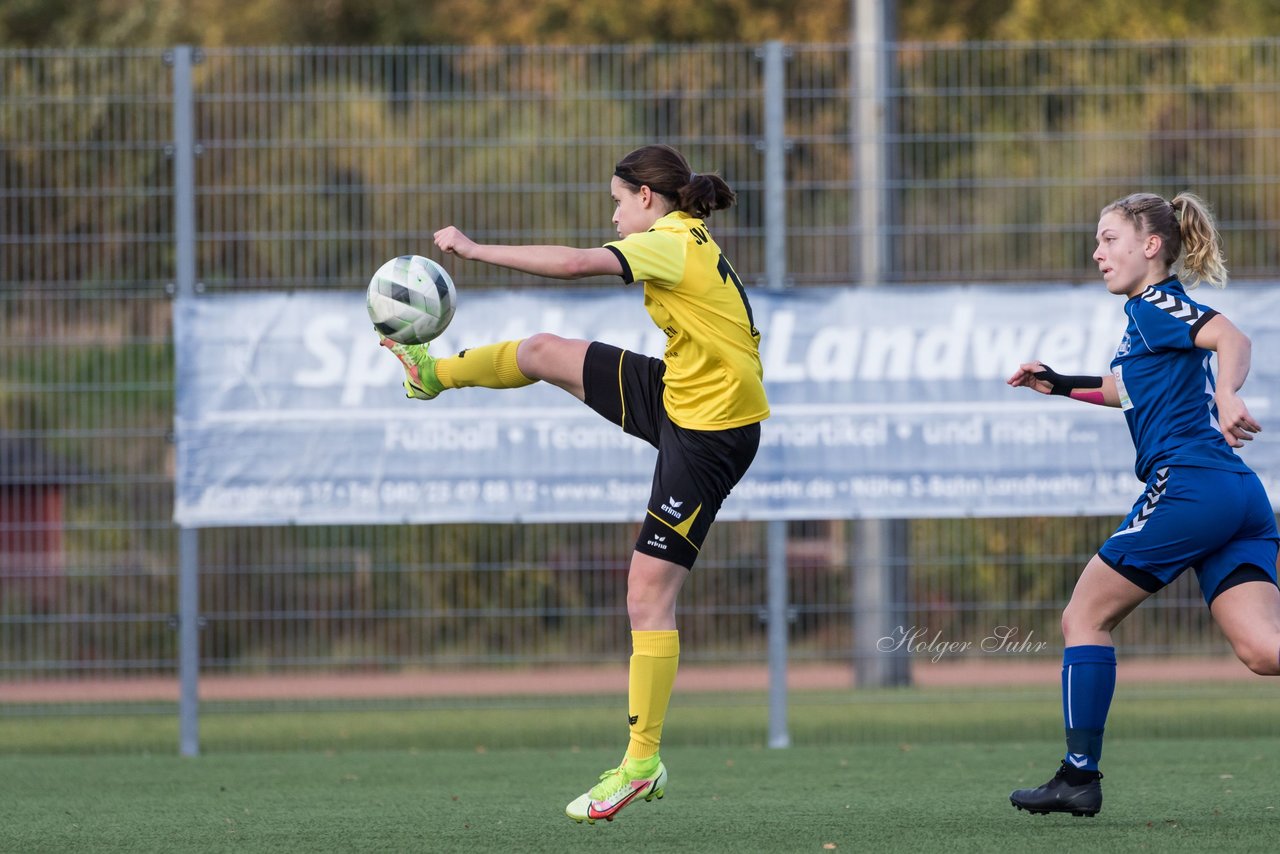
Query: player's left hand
1237	425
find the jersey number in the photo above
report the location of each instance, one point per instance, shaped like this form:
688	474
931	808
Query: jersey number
725	269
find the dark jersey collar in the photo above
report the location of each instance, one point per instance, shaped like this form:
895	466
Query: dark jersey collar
1170	283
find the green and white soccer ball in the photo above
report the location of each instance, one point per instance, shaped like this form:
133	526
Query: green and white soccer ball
411	299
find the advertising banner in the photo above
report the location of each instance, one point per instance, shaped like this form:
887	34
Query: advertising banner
887	402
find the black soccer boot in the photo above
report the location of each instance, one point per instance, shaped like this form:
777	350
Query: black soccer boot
1071	790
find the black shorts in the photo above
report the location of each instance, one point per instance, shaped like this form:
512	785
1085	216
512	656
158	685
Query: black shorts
696	469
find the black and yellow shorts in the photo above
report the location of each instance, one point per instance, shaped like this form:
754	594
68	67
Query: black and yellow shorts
696	469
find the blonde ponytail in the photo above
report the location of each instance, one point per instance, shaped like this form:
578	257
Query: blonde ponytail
1202	257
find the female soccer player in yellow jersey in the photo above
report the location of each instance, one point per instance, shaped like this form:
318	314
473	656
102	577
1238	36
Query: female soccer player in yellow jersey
700	405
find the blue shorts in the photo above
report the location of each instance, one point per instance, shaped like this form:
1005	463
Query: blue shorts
1209	520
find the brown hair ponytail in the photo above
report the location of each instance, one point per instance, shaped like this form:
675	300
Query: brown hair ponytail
665	171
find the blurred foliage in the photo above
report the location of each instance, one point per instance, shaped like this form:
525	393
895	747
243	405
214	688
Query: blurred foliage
317	164
1180	19
210	23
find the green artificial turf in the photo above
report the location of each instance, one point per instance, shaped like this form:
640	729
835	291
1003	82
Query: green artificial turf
1160	795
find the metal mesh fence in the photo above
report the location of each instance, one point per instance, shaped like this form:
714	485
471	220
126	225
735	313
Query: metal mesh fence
86	397
314	165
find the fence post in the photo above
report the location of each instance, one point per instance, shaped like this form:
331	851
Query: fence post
873	63
188	643
774	147
778	616
879	587
879	603
184	218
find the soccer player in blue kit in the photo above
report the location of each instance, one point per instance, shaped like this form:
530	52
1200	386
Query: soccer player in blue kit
1202	507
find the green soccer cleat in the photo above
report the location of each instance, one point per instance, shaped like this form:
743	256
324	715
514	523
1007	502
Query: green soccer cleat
419	369
617	788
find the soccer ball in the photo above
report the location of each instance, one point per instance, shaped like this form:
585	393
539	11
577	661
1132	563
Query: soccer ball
411	299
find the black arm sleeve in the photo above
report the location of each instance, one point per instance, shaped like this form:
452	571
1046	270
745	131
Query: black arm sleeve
1064	385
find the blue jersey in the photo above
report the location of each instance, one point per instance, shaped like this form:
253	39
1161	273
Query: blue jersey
1166	385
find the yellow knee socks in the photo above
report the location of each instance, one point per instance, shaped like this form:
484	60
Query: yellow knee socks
654	658
490	366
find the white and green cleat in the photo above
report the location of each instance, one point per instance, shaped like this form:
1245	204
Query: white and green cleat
419	369
617	788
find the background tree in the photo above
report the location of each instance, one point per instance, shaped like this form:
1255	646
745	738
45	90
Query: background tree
210	23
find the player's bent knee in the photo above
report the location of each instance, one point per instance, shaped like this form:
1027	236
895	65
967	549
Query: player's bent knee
1081	626
537	352
1077	623
1261	656
553	359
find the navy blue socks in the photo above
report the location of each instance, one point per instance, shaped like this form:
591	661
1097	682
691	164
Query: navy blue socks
1088	683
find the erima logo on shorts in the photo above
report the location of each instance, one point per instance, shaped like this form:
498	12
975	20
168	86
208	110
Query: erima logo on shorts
672	508
658	542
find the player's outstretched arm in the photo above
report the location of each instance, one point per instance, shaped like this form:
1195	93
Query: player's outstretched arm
1041	378
557	262
1235	353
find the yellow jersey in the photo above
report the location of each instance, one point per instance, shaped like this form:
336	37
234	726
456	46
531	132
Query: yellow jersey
714	379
